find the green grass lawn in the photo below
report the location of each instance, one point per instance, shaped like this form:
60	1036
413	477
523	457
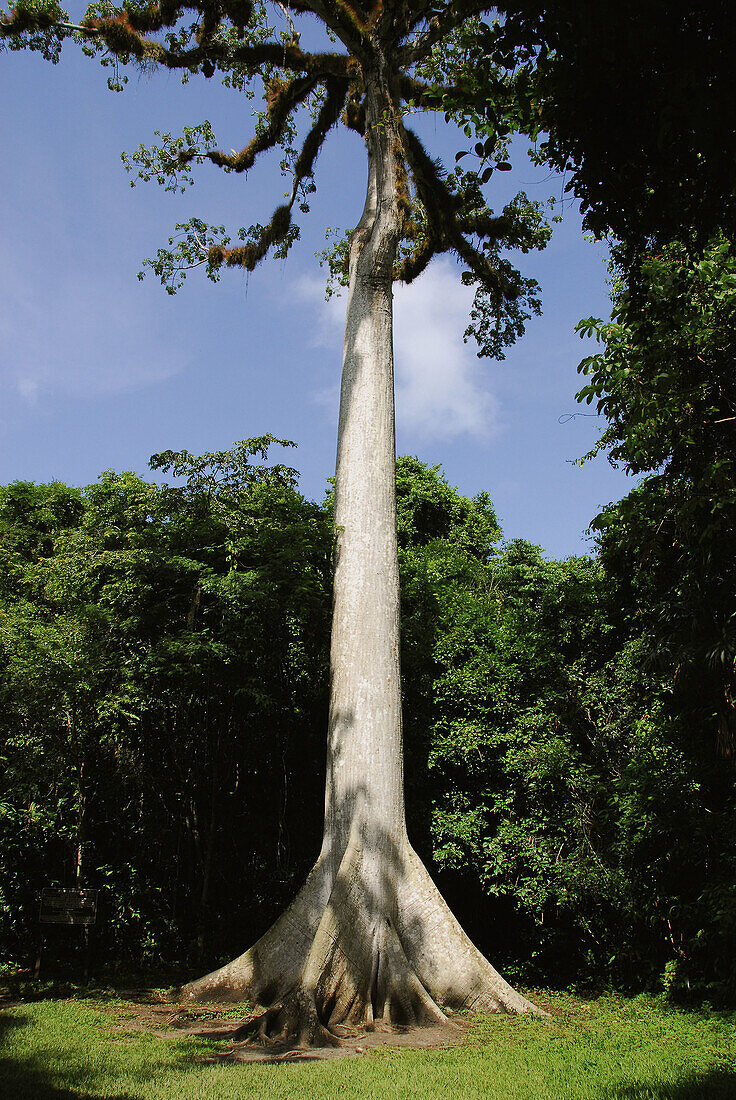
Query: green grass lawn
611	1047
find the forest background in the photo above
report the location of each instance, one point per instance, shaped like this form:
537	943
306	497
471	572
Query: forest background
165	654
569	725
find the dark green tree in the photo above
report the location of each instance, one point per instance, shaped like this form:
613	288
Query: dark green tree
164	676
633	102
568	799
664	381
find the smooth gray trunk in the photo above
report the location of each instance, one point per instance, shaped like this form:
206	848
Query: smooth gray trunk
364	753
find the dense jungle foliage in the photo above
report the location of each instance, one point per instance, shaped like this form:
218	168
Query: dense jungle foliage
164	695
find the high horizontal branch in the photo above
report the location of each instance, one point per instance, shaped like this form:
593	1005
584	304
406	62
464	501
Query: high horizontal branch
281	104
449	224
122	38
126	35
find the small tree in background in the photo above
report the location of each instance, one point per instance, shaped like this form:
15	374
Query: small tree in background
369	936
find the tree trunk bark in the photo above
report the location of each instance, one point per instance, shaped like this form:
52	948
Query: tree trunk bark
369	936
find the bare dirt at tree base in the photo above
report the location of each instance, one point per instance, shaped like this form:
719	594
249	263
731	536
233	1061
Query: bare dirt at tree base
150	1012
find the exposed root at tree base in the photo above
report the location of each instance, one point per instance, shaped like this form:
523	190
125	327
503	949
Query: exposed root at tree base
294	1025
361	949
437	1036
241	1042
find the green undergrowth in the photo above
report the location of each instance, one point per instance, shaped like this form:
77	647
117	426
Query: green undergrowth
611	1047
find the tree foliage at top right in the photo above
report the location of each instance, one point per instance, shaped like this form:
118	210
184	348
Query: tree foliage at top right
635	104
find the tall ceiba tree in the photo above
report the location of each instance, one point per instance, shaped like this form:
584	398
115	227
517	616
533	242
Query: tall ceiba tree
369	936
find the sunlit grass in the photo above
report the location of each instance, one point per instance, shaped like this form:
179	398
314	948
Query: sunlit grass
611	1047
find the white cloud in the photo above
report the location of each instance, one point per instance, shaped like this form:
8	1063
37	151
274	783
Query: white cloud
441	390
90	337
327	317
329	313
28	389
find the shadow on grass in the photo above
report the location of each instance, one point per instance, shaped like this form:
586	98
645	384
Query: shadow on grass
33	1084
7	1023
25	1078
715	1084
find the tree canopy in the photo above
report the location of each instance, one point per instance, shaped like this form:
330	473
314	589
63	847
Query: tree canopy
425	53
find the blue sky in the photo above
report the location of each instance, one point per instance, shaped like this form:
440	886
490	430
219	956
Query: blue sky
99	370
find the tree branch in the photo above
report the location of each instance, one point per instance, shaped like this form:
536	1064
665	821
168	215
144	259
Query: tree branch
447	224
287	16
280	106
414	264
249	255
424	95
126	35
329	114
